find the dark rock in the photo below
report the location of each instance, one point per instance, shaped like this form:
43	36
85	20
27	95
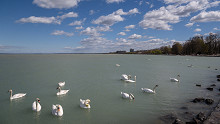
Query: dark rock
219	89
184	108
198	100
191	122
210	88
196	121
216	69
170	118
201	116
177	121
218	79
198	85
218	76
213	85
209	101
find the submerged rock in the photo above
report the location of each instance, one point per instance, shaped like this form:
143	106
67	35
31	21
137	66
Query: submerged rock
177	121
213	85
209	101
210	88
198	100
184	108
201	116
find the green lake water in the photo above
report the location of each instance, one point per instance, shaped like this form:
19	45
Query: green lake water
96	77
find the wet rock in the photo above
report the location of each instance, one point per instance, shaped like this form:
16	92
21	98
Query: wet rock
198	100
216	69
210	88
218	79
218	76
177	121
209	101
170	118
198	85
213	85
201	116
184	108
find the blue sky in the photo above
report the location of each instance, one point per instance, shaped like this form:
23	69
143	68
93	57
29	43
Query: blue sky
94	26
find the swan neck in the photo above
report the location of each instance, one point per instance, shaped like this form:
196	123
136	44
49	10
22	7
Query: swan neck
36	103
154	88
10	94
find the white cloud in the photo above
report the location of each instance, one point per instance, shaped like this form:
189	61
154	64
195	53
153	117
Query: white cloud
113	18
45	20
159	19
216	29
60	32
114	1
206	16
76	23
197	30
121	33
68	15
60	4
135	36
130	26
176	1
91	12
140	2
189	24
94	32
165	16
79	28
133	11
108	20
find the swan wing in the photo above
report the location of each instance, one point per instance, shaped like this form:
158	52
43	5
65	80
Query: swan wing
34	105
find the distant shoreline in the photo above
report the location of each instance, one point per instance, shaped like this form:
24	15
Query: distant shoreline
214	55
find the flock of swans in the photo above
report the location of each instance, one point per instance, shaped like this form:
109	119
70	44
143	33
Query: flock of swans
57	109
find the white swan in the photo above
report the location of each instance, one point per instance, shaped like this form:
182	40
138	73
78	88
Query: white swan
61	92
175	79
147	90
61	84
127	78
36	105
15	96
127	96
124	77
85	103
57	110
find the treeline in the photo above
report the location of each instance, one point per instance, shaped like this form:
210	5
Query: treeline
196	45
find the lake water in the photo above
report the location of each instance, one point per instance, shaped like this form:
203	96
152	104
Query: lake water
96	77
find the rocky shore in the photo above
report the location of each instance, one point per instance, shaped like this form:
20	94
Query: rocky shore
211	116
